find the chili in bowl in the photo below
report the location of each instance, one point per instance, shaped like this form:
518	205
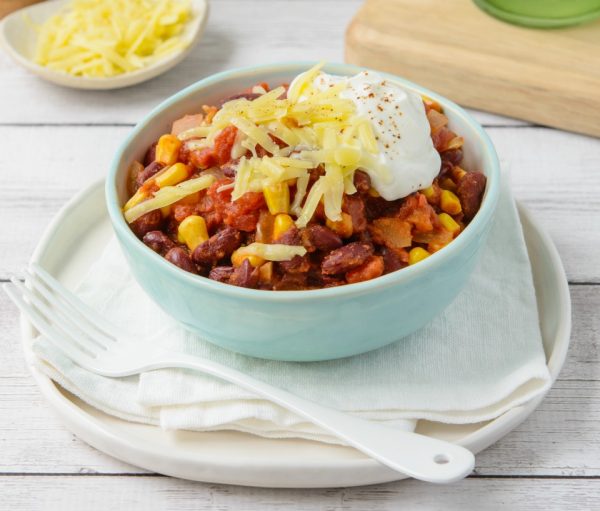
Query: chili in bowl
303	213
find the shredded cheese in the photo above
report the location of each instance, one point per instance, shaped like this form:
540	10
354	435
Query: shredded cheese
316	128
168	195
272	252
102	38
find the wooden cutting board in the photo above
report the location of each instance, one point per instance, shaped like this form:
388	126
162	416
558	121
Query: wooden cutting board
549	77
8	6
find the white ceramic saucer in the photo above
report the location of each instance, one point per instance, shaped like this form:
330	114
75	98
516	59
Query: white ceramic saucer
74	240
18	38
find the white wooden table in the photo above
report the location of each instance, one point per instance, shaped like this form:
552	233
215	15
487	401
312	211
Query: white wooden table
49	136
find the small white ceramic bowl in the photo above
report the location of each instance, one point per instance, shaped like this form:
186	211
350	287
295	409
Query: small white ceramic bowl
18	38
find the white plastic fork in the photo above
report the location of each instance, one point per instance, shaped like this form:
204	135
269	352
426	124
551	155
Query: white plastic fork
98	346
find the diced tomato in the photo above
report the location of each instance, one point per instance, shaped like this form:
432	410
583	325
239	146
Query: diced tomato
202	158
223	143
223	196
182	211
250	201
418	212
243	213
206	203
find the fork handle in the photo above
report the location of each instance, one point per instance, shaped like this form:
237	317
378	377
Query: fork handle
416	455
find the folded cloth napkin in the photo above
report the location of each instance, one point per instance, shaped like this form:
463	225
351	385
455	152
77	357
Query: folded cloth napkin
480	358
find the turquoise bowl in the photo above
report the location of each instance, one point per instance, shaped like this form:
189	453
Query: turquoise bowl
301	325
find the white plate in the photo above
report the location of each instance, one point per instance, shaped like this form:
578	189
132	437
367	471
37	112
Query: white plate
19	39
73	241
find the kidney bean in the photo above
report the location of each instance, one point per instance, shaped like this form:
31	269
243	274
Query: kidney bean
245	275
355	207
179	257
364	237
221	273
346	258
291	282
218	246
151	221
373	267
322	238
453	156
378	206
449	158
148	172
392	259
445	169
298	264
331	281
290	237
150	154
362	181
470	191
158	241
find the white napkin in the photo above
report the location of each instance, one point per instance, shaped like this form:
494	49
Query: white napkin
480	358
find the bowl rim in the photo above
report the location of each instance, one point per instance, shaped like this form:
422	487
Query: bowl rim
483	217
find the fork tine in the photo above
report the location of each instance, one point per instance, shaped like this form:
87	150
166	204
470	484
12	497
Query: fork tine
51	317
44	327
67	296
68	313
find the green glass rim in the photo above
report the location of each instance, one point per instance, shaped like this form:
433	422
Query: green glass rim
535	21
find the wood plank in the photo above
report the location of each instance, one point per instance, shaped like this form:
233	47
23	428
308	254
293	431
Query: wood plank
536	75
65	160
230	41
553	173
158	493
562	437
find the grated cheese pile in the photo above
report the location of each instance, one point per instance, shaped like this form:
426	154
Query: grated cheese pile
102	38
318	127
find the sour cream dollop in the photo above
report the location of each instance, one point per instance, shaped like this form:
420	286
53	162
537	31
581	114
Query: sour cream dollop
402	130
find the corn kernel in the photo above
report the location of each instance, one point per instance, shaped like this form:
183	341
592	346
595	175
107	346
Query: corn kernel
167	149
429	192
173	175
166	211
432	103
136	198
458	173
373	193
448	184
281	225
192	231
449	223
265	273
238	258
342	227
417	254
450	203
347	156
277	198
